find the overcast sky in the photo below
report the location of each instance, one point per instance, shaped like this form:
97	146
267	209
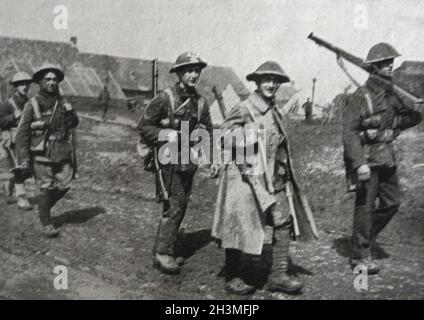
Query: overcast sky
237	33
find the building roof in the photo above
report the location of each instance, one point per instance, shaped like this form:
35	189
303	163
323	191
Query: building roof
410	76
230	99
136	74
87	72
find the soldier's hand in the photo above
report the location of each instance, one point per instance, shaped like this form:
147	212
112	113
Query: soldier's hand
172	135
67	106
364	172
24	166
17	114
38	125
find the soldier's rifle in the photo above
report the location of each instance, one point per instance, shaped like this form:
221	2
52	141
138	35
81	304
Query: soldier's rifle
370	68
74	153
158	170
11	157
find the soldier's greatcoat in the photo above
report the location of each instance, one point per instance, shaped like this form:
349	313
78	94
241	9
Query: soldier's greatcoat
239	223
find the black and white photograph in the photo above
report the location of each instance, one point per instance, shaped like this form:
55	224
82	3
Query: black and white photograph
223	151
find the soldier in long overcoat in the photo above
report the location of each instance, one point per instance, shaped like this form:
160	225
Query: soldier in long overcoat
254	198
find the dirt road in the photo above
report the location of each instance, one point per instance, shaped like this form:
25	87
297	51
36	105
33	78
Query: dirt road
110	218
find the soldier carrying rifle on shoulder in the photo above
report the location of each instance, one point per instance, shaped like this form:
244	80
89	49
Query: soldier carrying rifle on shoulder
375	115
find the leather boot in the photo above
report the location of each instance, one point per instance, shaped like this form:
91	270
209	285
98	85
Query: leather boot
279	279
166	264
44	206
367	263
234	283
23	202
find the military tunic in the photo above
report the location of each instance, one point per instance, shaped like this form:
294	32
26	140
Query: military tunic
373	118
49	150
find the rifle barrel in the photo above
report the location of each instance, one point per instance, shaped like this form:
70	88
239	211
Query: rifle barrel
154	77
363	65
340	52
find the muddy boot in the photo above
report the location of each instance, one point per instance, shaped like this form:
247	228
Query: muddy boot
166	264
279	279
239	287
23	202
44	206
234	284
367	262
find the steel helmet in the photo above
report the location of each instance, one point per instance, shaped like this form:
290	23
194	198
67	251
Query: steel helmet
268	68
46	67
188	59
21	76
380	52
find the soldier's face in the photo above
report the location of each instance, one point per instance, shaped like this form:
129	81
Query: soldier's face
22	87
385	68
189	75
268	86
49	83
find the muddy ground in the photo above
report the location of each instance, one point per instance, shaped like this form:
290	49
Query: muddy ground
110	218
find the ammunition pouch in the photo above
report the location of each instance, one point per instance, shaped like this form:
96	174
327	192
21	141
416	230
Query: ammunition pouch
373	136
371	122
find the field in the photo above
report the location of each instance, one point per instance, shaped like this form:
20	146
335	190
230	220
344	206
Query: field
110	218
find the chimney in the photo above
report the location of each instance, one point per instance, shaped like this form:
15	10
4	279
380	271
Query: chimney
74	41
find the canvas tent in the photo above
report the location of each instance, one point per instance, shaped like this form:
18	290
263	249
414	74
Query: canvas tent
230	99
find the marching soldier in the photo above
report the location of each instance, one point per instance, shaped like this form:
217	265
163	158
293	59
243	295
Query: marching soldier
255	202
43	142
373	118
167	111
10	114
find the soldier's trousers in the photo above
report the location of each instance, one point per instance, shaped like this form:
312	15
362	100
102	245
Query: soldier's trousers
370	219
18	177
53	180
179	185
